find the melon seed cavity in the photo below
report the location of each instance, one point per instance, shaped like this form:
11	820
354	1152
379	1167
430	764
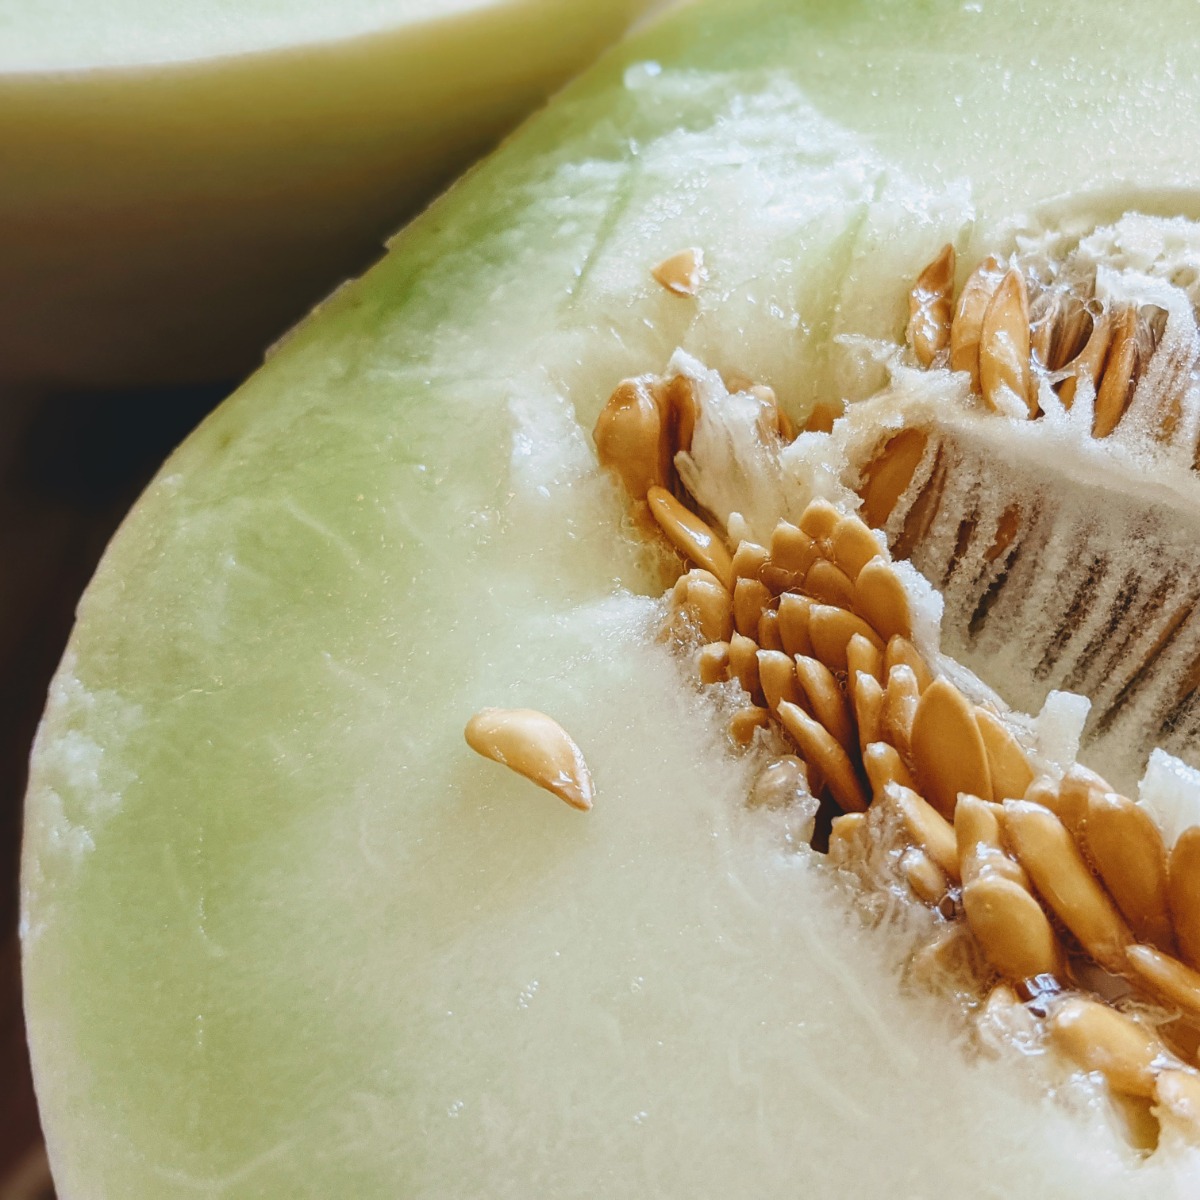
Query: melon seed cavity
1019	504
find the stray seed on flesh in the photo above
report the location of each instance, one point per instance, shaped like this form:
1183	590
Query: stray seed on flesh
1011	929
1184	873
1167	978
830	630
825	699
889	473
690	535
967	327
931	308
882	600
947	747
822	750
1127	851
1004	368
883	766
1045	848
746	722
902	653
750	599
923	875
1097	1038
681	272
1009	768
861	655
535	746
714	663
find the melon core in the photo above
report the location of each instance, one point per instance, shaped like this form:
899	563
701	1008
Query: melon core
182	181
284	935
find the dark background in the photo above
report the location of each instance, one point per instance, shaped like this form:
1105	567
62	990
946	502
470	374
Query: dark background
70	467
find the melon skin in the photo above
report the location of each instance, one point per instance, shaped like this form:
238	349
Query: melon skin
180	190
284	935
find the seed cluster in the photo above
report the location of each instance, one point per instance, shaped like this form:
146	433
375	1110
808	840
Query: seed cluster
1029	335
1006	340
1065	886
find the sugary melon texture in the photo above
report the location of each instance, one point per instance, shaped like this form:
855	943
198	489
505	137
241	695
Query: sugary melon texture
181	181
284	934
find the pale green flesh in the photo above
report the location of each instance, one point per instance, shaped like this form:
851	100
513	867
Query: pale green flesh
285	935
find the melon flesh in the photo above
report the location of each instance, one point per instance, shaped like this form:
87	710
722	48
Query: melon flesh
182	180
284	935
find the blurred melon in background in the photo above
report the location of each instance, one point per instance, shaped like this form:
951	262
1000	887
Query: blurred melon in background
181	181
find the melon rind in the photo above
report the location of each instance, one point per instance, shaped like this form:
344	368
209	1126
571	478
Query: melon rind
284	935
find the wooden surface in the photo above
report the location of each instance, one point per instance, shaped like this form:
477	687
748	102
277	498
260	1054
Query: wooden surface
70	466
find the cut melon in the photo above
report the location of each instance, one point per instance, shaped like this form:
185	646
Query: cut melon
182	181
285	935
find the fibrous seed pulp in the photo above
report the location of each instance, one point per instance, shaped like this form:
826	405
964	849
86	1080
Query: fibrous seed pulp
1063	372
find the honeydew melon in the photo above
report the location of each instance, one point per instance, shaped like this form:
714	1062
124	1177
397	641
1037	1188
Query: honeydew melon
182	181
283	934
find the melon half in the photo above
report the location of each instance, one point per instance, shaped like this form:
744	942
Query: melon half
181	181
286	936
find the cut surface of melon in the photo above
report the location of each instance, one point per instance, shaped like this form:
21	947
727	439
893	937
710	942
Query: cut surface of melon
70	35
181	182
284	934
